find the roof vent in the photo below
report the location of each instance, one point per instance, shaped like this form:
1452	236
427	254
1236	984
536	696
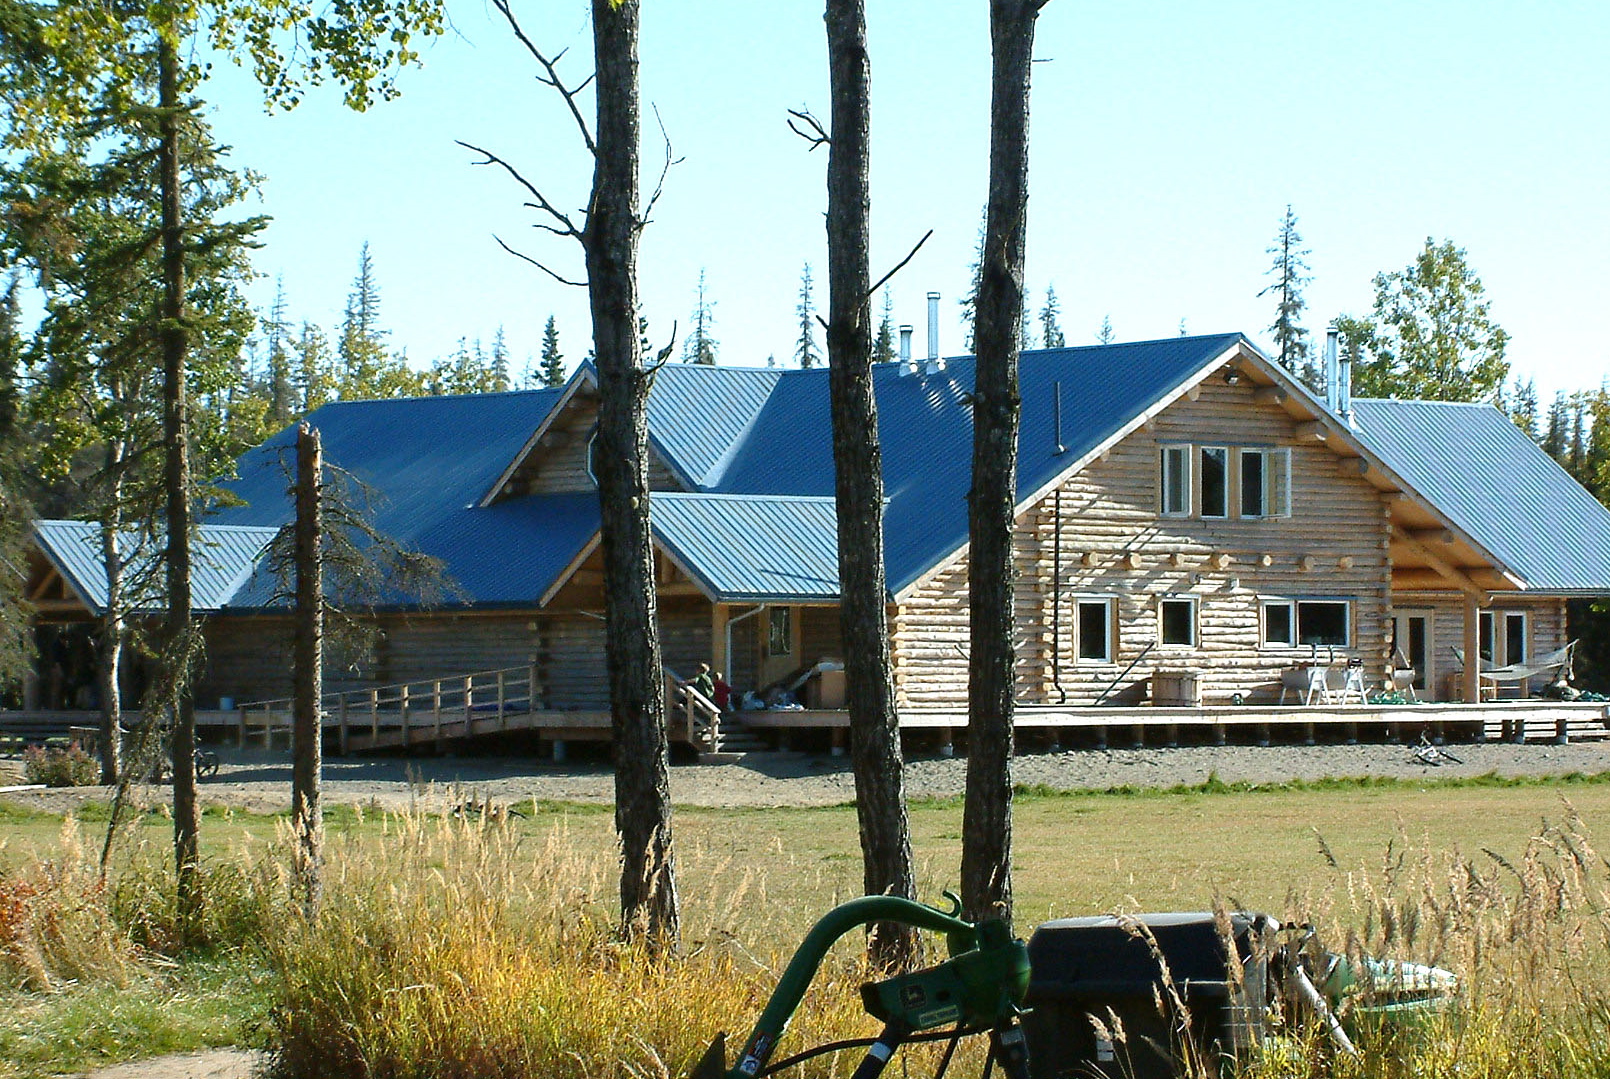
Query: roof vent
934	365
907	366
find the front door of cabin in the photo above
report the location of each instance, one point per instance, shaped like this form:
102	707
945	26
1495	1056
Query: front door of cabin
1412	641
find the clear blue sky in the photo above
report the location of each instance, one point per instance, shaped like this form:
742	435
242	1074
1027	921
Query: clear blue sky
1167	140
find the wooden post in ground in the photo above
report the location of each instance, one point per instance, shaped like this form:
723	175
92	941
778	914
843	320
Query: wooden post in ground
469	705
436	714
402	713
374	717
240	738
345	733
503	701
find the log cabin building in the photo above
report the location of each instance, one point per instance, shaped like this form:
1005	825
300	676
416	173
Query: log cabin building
1193	525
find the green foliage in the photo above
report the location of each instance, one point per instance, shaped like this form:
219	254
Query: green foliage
1105	335
16	649
60	766
1290	273
883	345
700	346
1051	335
553	361
365	371
806	352
1430	335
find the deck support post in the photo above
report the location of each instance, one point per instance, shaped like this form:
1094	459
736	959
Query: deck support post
947	742
374	717
344	734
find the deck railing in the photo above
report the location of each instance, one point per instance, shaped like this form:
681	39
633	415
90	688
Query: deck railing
481	695
697	715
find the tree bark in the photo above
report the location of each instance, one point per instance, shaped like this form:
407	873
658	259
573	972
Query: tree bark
858	486
111	649
307	731
180	644
649	906
998	316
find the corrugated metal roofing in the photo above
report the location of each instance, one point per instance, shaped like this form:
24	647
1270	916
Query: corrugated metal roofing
697	414
745	548
222	559
428	460
1494	483
926	428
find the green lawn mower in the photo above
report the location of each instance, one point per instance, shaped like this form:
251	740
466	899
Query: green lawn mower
1156	996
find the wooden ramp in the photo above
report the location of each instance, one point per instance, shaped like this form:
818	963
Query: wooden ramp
441	711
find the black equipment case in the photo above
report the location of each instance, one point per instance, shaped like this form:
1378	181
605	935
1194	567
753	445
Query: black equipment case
1104	969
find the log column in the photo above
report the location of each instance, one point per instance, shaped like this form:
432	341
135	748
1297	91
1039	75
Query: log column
1472	674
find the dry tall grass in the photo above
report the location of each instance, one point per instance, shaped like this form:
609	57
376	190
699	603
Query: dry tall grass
1527	935
450	948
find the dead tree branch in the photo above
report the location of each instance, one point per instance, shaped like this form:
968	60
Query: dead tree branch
665	169
541	201
812	132
522	255
873	291
552	78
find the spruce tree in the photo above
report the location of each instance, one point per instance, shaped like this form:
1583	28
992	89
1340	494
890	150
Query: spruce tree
700	346
883	346
1104	335
553	362
1290	273
500	362
806	353
280	391
1051	335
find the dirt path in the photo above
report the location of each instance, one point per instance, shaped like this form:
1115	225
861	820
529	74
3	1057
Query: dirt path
210	1064
260	782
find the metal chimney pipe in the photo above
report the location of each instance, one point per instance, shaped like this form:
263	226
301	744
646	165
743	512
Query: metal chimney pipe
907	367
1332	372
933	329
1344	389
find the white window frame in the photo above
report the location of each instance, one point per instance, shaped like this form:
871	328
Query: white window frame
1295	606
1498	619
1110	646
1181	454
1201	489
1276	463
1195	630
1290	607
1526	638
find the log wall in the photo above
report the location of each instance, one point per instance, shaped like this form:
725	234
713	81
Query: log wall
1116	543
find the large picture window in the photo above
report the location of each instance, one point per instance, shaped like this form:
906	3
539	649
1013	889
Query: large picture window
1096	621
1176	481
1307	622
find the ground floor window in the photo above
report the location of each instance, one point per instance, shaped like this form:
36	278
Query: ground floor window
1096	622
1502	637
1306	622
1177	622
780	631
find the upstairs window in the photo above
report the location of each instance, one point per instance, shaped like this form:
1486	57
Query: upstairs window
1176	481
1265	483
1215	481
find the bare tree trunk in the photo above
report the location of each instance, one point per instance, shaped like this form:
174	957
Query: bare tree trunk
111	650
307	730
649	907
180	645
991	681
858	469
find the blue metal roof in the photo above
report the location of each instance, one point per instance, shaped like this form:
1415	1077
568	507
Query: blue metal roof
222	558
1491	481
926	428
428	460
762	436
749	548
